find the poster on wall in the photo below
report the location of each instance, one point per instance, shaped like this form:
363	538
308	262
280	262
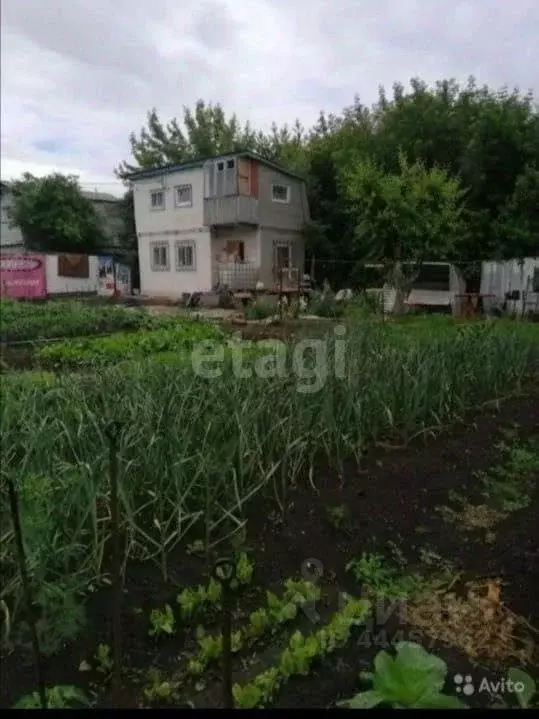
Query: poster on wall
23	276
70	265
106	275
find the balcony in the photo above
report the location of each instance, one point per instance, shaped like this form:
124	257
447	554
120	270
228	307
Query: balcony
247	276
231	210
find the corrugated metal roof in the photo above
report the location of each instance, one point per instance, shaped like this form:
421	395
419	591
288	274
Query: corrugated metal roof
192	164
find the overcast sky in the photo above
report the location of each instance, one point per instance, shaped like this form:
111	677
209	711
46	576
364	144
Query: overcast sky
78	75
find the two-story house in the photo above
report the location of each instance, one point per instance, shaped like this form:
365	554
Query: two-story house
235	220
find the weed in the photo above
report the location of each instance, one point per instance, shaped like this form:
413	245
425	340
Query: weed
162	622
104	659
58	697
159	689
384	580
339	517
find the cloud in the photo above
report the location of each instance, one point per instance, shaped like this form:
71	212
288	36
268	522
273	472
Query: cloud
79	75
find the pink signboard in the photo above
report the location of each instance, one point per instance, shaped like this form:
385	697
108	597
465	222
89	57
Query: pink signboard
23	276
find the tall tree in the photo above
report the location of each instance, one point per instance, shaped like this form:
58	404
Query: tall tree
406	217
518	226
54	215
206	131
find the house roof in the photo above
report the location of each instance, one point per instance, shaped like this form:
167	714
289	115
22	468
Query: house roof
168	169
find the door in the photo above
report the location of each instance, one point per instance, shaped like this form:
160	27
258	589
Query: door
282	260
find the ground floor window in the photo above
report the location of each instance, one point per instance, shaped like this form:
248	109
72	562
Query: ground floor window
159	257
185	255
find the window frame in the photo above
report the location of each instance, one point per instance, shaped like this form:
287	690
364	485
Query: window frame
157	244
182	244
280	201
157	208
183	204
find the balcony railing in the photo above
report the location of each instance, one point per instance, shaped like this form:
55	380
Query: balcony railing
245	276
232	210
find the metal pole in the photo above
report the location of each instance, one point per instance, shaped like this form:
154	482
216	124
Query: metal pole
224	572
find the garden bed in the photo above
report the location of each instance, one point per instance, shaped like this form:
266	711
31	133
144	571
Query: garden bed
390	515
64	318
311	465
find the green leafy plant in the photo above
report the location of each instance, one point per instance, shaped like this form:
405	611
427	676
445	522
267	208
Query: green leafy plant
528	698
278	611
244	569
194	600
300	654
297	658
159	689
510	485
58	697
162	622
104	659
259	622
383	579
259	311
413	679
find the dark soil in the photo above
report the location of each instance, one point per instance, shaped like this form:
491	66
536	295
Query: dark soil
393	501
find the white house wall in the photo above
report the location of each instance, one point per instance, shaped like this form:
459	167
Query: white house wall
72	285
173	283
169	225
148	219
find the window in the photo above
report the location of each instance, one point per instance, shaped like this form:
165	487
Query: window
157	199
230	164
185	255
535	280
280	193
184	196
220	166
159	256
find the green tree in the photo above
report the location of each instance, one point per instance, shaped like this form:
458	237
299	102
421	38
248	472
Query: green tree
54	215
518	226
409	217
206	131
128	236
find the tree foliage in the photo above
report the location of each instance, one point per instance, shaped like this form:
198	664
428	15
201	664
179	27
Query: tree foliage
54	215
422	148
411	215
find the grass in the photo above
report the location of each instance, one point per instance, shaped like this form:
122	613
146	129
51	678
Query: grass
195	451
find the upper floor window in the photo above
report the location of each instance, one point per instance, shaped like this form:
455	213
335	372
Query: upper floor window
535	280
184	196
185	255
280	193
159	258
157	199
